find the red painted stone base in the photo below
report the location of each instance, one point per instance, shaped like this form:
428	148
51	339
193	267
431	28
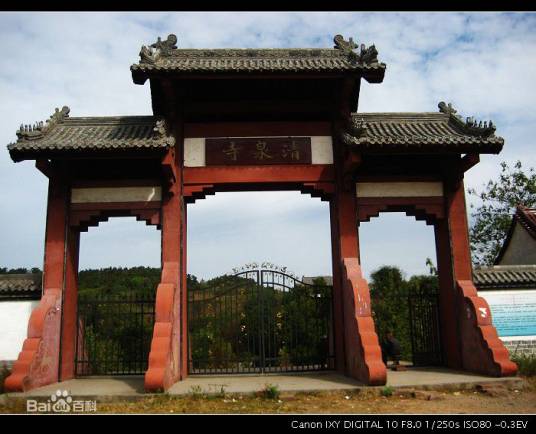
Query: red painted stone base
163	370
482	350
38	362
363	352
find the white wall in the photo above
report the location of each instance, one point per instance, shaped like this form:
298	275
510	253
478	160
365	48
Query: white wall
14	317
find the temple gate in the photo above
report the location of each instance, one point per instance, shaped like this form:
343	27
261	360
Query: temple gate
257	119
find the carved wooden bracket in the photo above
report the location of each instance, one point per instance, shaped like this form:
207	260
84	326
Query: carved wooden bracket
84	218
468	161
428	209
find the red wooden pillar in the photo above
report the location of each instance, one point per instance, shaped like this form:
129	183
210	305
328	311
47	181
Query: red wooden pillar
362	352
184	293
470	340
166	357
338	312
39	360
69	325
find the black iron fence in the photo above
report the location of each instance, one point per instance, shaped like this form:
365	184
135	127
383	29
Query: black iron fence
259	321
114	334
424	330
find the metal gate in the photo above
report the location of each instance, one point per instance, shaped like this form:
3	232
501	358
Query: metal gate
114	334
424	326
259	321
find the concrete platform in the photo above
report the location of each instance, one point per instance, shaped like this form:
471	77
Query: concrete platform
116	388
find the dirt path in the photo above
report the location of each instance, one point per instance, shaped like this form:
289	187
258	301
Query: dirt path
494	400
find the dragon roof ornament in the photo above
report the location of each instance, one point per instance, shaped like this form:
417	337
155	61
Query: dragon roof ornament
365	55
35	131
161	131
355	127
154	51
470	126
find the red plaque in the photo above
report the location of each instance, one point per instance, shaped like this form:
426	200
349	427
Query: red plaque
257	151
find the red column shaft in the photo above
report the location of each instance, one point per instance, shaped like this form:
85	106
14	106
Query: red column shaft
470	339
70	306
55	235
447	297
338	312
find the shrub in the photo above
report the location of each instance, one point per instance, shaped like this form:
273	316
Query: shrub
526	364
4	373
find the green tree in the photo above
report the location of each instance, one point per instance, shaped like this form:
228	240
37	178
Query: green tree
492	218
390	310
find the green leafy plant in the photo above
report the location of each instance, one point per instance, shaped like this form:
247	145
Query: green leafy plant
387	391
270	391
526	364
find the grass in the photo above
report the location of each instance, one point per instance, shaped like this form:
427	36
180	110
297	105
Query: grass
347	402
526	364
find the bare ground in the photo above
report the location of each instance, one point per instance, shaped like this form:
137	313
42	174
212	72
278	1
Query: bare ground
494	399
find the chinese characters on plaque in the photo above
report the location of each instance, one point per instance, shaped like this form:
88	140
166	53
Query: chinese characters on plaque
258	151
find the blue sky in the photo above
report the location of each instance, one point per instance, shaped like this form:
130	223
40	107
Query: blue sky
484	63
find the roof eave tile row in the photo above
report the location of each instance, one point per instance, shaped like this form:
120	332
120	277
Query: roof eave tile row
370	132
164	57
91	134
418	132
20	286
513	276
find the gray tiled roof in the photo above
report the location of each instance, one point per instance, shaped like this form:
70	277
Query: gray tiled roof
505	276
90	133
418	132
376	132
20	286
165	57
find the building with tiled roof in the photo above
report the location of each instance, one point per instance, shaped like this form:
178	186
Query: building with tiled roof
520	244
510	286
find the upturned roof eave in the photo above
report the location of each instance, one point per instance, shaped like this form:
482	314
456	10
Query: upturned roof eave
18	155
140	76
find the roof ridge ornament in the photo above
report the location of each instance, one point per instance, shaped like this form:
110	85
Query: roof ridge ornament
470	126
365	55
161	131
354	129
35	131
154	51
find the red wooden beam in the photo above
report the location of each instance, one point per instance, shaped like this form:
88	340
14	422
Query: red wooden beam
256	129
258	174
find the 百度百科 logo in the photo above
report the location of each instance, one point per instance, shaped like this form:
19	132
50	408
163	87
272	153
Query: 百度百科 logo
60	402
